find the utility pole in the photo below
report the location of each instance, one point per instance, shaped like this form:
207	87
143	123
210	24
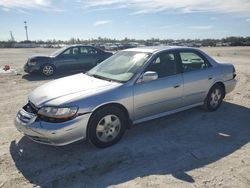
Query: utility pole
12	37
26	29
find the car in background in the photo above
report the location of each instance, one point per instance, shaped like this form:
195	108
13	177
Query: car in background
132	86
75	57
111	47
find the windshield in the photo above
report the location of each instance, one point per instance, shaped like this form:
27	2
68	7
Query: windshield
57	52
120	67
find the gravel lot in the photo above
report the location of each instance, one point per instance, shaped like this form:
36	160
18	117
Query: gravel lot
189	149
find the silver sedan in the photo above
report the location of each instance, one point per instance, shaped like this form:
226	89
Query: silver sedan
130	87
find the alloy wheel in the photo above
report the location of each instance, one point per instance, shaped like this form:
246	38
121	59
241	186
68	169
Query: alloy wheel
108	128
48	70
216	96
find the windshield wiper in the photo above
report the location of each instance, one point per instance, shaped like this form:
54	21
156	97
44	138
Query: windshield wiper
101	77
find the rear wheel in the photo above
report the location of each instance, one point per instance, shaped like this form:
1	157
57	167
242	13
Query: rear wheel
107	126
214	98
48	70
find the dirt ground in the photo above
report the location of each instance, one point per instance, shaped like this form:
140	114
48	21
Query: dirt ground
189	149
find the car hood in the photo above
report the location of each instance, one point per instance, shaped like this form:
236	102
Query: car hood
66	89
40	56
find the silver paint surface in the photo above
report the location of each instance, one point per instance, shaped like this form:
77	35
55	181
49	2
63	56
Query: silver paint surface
143	101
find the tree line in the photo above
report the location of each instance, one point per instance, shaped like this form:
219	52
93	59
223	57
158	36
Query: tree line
228	41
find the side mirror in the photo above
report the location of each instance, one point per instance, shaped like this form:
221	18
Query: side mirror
148	76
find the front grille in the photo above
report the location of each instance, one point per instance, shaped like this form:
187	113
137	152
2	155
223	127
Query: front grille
31	108
28	113
23	118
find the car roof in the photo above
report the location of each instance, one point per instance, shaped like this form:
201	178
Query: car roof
154	49
79	45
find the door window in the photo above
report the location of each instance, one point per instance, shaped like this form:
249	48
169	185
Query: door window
92	51
71	52
87	50
192	61
164	65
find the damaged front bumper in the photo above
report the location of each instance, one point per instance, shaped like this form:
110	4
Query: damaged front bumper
31	69
56	134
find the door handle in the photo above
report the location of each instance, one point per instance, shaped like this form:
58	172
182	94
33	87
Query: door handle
176	86
210	78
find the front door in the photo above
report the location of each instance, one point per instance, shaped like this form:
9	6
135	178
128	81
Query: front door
68	60
164	94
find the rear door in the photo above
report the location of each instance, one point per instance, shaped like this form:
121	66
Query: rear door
164	94
198	76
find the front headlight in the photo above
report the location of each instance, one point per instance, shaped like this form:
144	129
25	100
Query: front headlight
58	113
32	63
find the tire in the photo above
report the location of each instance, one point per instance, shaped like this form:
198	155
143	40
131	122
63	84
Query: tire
106	126
214	98
47	70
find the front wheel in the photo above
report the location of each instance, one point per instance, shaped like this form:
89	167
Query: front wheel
214	98
48	70
107	126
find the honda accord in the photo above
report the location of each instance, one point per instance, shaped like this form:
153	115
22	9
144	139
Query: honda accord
130	87
74	57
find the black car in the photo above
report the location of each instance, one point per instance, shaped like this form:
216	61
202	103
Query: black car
76	57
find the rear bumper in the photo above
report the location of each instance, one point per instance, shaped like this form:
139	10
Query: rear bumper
56	134
230	85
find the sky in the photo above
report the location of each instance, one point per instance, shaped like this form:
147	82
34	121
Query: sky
139	19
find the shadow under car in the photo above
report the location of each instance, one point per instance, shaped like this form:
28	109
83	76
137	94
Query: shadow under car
172	145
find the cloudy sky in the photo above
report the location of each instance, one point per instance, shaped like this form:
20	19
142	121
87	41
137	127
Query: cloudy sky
141	19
